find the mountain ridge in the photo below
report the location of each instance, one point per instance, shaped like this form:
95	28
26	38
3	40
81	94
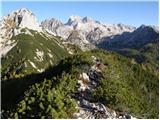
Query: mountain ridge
47	74
90	30
86	26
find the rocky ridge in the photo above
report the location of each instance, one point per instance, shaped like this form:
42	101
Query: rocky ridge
88	81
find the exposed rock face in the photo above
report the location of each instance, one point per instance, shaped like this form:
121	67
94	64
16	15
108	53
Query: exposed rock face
24	18
12	24
56	27
87	83
52	24
77	38
87	30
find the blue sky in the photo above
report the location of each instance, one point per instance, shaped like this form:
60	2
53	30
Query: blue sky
131	13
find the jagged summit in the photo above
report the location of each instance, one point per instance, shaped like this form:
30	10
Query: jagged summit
23	18
52	24
87	19
74	18
78	19
24	10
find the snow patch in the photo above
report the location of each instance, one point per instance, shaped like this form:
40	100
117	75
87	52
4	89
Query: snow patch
70	52
27	32
40	70
33	65
48	50
51	62
50	55
39	55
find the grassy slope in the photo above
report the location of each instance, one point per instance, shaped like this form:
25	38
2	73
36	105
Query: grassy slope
25	50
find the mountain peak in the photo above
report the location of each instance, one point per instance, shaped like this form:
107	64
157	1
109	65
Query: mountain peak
74	18
87	19
52	24
80	19
148	27
53	20
24	18
24	10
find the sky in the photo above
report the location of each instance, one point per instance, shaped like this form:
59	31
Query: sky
130	13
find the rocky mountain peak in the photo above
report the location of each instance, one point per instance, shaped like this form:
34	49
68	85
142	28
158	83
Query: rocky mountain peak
24	10
73	20
54	21
52	24
23	18
87	19
78	19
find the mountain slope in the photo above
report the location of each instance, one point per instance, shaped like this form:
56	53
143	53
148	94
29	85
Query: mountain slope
32	53
136	39
96	84
25	48
142	44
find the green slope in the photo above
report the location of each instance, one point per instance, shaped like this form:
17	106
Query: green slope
142	45
148	55
23	58
124	87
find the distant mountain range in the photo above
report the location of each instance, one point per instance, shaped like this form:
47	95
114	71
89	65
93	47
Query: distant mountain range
82	31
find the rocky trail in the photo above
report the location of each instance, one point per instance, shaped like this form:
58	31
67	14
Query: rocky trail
87	83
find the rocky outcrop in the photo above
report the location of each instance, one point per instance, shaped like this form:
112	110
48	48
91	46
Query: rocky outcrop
56	27
87	82
12	24
24	18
